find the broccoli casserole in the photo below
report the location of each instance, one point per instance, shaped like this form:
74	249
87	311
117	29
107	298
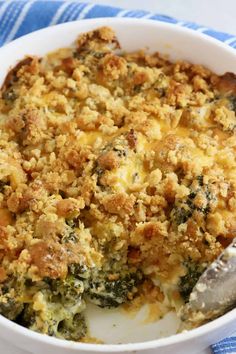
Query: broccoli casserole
117	182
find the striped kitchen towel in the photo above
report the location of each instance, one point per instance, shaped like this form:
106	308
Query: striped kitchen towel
23	16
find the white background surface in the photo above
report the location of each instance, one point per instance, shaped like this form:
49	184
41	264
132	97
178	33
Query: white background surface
218	14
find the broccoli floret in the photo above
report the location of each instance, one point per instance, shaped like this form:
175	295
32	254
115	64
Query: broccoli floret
55	321
73	328
68	291
10	306
181	213
27	318
79	271
105	292
45	320
60	313
183	209
232	103
70	233
110	286
200	180
188	281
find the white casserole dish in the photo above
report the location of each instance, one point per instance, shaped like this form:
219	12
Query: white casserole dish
178	43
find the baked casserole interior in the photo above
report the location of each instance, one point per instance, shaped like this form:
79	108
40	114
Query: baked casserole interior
117	182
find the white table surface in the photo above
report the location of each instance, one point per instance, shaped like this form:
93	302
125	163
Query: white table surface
218	14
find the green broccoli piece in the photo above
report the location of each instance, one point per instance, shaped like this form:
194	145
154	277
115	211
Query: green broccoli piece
79	271
60	313
111	293
70	234
56	321
181	213
188	281
183	209
27	318
101	290
45	320
232	103
73	328
10	307
68	291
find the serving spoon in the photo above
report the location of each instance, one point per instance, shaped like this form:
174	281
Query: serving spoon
215	292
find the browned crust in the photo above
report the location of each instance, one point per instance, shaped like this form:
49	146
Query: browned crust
108	160
120	204
102	34
50	259
226	83
30	62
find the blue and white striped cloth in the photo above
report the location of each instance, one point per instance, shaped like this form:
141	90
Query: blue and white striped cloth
23	16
